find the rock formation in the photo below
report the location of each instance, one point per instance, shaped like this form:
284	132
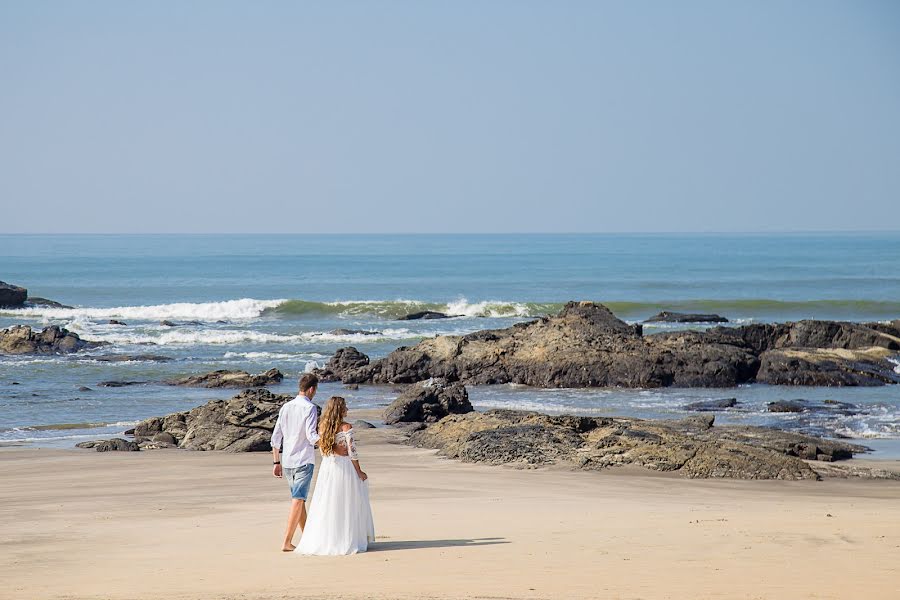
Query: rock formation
692	447
345	360
12	296
587	346
21	339
676	317
428	402
424	314
229	379
242	424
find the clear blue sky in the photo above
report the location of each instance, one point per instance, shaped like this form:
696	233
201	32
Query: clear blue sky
449	116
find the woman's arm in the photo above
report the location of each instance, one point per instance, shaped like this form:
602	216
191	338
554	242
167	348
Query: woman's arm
353	454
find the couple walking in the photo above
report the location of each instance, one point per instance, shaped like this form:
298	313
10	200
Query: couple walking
340	517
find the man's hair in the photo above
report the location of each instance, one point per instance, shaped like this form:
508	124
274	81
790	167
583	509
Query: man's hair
308	381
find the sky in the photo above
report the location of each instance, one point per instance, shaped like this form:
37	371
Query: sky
425	117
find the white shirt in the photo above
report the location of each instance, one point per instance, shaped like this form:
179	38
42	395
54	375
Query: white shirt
296	427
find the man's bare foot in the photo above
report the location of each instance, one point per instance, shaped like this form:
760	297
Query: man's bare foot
288	548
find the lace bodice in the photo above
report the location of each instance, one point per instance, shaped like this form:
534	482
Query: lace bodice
344	439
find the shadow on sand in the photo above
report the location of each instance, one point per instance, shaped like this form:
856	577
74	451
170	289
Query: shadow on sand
379	546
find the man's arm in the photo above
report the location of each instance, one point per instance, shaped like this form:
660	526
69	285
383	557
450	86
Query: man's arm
277	438
312	420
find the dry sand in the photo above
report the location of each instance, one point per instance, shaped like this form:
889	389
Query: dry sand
182	525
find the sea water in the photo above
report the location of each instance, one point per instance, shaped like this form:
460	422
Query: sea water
254	302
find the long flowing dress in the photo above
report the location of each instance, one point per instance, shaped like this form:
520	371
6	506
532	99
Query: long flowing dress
340	516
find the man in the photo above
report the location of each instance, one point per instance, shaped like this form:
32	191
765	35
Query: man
296	428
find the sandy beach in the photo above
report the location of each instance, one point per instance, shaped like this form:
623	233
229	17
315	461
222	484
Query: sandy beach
198	525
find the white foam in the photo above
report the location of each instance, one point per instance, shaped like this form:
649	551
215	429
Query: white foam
487	308
272	355
245	308
896	362
165	336
310	366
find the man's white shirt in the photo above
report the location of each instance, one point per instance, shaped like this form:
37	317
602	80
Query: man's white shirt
296	427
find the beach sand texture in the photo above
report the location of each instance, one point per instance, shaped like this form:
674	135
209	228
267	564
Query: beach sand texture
202	525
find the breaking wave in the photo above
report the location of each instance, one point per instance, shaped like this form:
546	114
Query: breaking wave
248	308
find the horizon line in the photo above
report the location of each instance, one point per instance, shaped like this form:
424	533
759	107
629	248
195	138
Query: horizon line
449	233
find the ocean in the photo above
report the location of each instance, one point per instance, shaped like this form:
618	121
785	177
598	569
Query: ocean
254	302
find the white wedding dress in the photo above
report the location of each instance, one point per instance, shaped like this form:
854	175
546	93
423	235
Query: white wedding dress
340	517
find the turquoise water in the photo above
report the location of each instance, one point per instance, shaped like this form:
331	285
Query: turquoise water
253	302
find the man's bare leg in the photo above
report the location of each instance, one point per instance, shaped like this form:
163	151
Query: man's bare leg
296	517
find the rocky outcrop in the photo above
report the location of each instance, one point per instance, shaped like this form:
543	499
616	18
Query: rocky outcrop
832	407
44	302
242	424
424	314
230	379
12	296
428	402
353	332
677	317
21	339
111	445
587	346
692	447
828	367
343	364
115	358
711	405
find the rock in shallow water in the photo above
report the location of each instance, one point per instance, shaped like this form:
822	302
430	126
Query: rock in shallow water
12	296
712	405
424	314
229	379
587	346
21	339
676	317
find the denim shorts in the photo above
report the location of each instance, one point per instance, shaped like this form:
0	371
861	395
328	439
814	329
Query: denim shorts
299	479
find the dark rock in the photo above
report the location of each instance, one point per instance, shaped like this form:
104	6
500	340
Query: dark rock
587	346
37	301
168	324
360	424
85	388
428	401
348	365
242	424
165	437
787	406
132	358
111	445
823	367
424	314
118	384
231	379
353	332
691	447
410	428
128	431
115	322
12	296
20	339
711	405
676	317
352	386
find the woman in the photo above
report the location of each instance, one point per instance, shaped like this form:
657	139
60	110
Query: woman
340	517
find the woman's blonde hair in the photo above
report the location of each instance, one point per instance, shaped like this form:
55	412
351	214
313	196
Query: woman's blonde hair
330	423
